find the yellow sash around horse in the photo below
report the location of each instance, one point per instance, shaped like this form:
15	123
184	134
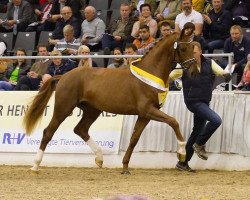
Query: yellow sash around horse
153	81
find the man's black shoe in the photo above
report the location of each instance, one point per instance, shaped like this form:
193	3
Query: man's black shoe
200	150
184	167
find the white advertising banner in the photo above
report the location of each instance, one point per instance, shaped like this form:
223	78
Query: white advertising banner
106	130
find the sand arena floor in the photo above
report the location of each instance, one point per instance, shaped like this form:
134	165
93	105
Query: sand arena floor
16	182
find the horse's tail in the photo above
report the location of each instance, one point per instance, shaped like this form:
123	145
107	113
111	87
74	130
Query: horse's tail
35	111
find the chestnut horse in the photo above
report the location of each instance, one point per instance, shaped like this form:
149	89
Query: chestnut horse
119	91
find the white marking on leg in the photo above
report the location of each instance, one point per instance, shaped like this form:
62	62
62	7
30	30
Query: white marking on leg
95	148
182	149
38	160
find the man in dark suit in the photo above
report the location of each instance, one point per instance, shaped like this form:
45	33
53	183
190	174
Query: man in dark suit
19	16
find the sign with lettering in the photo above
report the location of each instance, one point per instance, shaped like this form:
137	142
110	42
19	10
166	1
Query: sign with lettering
106	130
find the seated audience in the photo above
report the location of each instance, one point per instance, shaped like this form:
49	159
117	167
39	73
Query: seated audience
145	19
37	70
119	30
216	27
135	5
240	46
245	80
93	29
189	15
130	49
69	44
117	62
144	38
19	15
42	14
165	29
14	72
58	66
66	19
167	11
85	62
240	10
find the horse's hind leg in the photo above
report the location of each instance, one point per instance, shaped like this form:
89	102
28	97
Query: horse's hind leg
90	114
155	114
61	111
140	124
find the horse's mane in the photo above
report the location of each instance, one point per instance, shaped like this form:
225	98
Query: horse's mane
158	42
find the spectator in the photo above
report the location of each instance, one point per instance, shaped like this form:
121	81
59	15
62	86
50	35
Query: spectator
42	15
145	18
119	30
85	62
19	16
69	44
144	37
130	49
167	11
58	66
216	26
240	11
117	62
66	19
93	29
14	72
197	89
165	29
189	15
3	6
136	4
245	80
239	45
38	69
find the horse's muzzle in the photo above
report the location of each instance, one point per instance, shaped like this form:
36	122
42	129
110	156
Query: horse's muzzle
187	62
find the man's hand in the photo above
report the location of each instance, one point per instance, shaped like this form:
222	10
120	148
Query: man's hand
117	38
32	74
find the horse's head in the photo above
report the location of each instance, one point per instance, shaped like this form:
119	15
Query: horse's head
183	48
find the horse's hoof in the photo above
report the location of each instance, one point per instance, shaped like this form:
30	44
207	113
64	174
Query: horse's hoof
34	171
99	163
126	172
181	157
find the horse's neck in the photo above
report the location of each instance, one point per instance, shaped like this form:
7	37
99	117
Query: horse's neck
157	62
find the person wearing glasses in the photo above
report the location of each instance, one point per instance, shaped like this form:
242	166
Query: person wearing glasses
66	18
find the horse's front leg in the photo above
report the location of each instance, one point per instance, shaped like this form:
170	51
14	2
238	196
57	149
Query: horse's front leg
155	114
140	124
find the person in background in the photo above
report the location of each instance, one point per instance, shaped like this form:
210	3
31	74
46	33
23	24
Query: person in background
197	89
85	62
135	5
93	29
216	26
244	84
145	19
58	66
119	30
167	11
19	15
165	29
189	15
130	49
117	62
14	72
69	44
144	38
33	78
